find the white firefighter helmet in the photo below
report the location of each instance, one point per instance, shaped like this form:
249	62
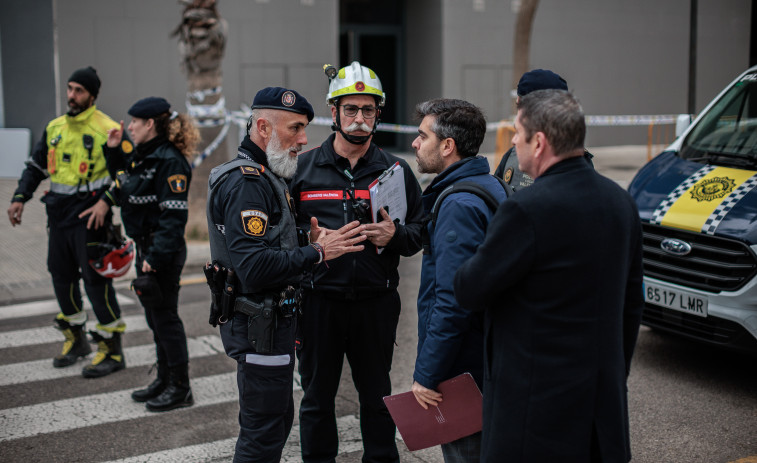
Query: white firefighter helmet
354	79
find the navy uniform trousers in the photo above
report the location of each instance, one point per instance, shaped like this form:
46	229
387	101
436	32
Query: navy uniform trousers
364	330
266	406
163	317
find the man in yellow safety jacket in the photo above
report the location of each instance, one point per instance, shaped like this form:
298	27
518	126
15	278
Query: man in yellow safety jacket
71	154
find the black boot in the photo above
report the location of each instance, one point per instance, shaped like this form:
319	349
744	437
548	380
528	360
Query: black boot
74	346
177	393
154	388
109	356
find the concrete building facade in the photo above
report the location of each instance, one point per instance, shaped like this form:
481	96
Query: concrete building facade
619	57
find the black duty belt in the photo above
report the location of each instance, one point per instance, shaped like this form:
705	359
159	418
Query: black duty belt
284	303
351	295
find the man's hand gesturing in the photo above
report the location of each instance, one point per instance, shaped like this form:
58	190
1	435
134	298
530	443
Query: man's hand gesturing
337	242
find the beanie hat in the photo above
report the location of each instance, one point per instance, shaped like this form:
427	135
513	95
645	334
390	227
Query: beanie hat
87	78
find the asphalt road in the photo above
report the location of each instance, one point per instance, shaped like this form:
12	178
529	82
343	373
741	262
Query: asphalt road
688	402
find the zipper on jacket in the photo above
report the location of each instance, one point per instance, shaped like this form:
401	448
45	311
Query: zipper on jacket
349	176
345	193
344	205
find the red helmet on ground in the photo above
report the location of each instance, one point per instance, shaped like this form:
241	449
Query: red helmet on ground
115	262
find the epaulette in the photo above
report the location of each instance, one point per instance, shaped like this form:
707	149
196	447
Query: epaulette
249	172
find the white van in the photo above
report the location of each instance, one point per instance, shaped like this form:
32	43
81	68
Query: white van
698	205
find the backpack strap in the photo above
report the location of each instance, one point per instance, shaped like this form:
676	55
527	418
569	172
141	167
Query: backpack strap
460	187
463	187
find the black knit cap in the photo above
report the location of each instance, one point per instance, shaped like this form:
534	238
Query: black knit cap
540	79
87	78
284	99
150	107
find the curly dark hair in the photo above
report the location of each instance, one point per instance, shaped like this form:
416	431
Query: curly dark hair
181	131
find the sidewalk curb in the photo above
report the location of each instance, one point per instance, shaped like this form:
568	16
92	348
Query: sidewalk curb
33	290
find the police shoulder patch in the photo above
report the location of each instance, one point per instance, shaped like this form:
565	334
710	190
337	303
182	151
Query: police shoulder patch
249	171
178	183
254	222
508	175
126	146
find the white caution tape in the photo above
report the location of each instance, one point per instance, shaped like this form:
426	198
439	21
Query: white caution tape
607	121
208	111
216	115
214	144
200	95
593	121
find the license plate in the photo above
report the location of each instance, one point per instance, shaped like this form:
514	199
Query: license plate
675	299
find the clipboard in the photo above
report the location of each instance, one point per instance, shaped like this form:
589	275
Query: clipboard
460	414
388	191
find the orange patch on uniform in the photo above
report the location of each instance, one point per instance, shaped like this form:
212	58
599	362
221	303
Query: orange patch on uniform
126	146
51	160
254	222
178	183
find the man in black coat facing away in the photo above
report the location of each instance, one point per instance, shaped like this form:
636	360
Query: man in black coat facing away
559	276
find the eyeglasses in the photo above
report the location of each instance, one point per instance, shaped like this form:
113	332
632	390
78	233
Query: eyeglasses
369	112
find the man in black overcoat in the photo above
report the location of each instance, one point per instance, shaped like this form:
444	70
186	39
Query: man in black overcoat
559	277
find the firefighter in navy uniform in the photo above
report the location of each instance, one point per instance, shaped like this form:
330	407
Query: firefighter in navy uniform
352	307
151	187
254	242
71	154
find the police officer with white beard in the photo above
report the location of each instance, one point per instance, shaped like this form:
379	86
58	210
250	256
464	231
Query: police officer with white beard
253	239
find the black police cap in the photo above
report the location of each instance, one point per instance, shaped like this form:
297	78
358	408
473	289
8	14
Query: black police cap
284	99
150	107
540	79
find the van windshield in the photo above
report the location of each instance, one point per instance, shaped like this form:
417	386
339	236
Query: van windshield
727	134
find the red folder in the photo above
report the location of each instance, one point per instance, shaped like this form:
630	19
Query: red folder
458	415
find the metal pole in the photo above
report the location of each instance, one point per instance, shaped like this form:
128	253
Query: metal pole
56	59
693	57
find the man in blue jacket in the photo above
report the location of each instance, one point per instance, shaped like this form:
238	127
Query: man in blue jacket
450	338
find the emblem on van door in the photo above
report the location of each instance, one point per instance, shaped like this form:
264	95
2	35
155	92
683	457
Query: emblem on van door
675	247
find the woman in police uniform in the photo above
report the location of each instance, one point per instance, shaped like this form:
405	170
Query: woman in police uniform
151	184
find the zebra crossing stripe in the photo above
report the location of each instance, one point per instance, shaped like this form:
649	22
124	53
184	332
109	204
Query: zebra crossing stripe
79	412
50	306
92	410
42	370
350	439
44	335
223	450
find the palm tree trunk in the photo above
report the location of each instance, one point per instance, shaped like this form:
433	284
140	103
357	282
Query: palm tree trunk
202	40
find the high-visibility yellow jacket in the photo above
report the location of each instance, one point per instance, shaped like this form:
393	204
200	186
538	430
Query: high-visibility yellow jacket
71	153
75	159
